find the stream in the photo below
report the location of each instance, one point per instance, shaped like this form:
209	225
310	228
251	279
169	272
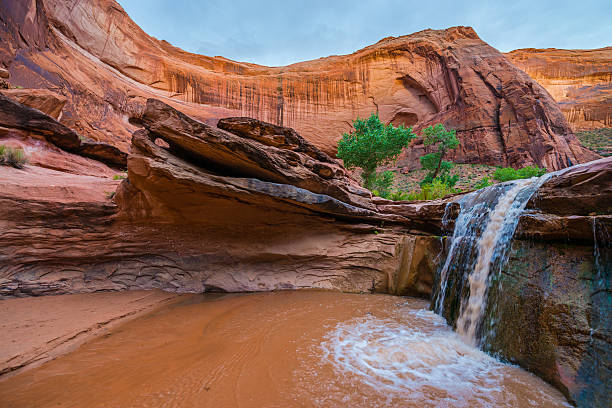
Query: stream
280	349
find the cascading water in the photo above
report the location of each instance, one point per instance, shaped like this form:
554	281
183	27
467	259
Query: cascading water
482	234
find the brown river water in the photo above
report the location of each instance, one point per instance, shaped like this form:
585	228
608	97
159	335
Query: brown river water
280	349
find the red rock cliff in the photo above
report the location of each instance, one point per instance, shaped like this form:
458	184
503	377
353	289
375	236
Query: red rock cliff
94	54
579	80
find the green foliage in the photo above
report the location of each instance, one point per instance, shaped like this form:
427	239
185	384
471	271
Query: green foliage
14	157
119	176
381	183
485	182
399	196
433	162
508	173
597	140
432	191
372	144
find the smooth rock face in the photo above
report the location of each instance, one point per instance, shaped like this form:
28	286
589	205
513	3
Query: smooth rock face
579	80
555	302
502	116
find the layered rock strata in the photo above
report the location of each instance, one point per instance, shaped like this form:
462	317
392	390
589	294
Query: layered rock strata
579	80
20	120
255	207
212	210
106	66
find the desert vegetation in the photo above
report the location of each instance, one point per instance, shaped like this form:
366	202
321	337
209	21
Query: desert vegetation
508	173
597	140
371	145
374	145
12	156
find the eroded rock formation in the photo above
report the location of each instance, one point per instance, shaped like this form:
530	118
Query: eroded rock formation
236	212
255	207
579	80
21	121
106	67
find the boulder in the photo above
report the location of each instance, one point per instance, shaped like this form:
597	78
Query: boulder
566	206
272	135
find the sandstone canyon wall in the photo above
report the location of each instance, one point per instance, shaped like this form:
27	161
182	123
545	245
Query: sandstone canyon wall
106	66
579	80
251	206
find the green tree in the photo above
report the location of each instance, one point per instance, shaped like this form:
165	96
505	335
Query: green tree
372	144
438	168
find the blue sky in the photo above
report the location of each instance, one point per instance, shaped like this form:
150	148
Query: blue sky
275	33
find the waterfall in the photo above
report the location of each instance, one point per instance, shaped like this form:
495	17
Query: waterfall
479	245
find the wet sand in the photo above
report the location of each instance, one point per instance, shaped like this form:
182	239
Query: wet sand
36	329
283	349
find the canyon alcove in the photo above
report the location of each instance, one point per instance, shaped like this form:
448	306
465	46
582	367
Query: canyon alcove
177	230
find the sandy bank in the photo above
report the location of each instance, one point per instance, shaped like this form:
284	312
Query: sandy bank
35	330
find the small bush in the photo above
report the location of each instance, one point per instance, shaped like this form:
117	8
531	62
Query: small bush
508	173
119	176
432	191
14	157
398	196
382	184
485	182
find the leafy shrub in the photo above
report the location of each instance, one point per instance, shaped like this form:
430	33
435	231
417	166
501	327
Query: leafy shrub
119	176
14	157
382	183
508	173
438	168
432	191
485	182
372	144
399	196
